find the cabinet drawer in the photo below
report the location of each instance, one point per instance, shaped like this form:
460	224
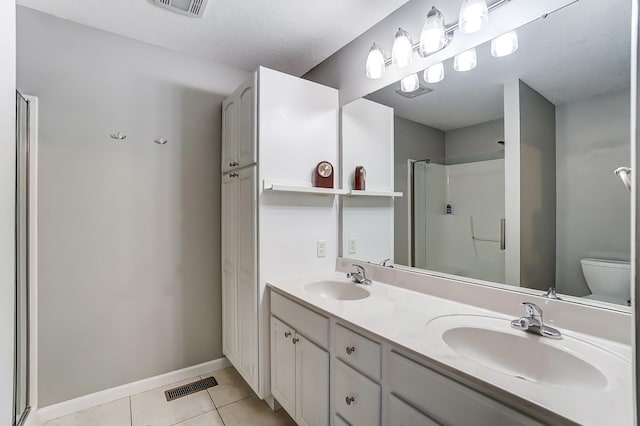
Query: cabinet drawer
357	351
311	325
402	414
356	398
445	400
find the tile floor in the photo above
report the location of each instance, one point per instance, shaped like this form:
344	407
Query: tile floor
231	403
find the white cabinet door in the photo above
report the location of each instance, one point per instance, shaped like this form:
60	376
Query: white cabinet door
283	365
229	268
247	276
312	383
246	123
229	147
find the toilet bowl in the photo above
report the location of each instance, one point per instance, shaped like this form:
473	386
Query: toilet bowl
608	280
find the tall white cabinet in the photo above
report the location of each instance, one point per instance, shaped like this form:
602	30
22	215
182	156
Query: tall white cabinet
276	128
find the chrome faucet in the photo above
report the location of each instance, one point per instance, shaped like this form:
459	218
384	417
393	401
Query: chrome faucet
384	263
533	323
552	294
359	276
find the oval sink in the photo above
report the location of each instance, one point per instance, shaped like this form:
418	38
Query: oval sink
569	363
337	290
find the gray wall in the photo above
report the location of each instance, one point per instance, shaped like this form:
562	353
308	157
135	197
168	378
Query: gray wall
537	189
7	204
129	230
472	141
413	141
593	204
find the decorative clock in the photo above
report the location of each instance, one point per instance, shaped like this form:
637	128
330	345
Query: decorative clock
324	175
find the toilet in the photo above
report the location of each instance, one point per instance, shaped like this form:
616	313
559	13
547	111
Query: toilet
608	280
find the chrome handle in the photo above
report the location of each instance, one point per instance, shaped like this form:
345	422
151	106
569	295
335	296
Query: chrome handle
503	226
350	349
295	340
349	400
287	333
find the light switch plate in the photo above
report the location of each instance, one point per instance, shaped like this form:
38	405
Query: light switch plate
322	248
352	245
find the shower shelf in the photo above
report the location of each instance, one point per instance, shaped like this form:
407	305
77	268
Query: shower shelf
355	192
277	187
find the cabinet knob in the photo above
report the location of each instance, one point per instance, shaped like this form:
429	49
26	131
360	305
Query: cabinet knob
234	163
349	400
233	174
295	340
350	349
230	164
287	333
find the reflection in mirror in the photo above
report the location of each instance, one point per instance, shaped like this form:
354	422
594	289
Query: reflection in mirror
506	170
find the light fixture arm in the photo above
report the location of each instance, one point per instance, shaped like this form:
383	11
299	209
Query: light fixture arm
448	30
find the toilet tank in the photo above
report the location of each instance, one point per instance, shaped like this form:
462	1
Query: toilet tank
610	278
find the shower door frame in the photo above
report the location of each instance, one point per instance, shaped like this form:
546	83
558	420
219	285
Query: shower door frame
29	416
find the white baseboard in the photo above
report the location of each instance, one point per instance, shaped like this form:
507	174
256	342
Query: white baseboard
98	398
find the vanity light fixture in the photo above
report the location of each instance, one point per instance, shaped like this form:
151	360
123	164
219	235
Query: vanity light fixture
504	45
433	36
402	53
375	67
474	15
465	61
434	74
410	83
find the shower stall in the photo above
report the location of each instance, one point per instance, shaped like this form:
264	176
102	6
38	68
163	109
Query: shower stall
457	216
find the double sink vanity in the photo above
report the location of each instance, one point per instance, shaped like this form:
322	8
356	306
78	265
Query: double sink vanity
348	350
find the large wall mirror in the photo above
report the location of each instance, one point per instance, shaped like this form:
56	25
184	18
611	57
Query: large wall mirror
504	173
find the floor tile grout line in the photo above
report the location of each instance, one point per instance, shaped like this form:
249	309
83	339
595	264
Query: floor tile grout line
193	417
237	400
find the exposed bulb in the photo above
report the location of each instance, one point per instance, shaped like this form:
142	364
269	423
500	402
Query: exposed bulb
410	83
504	45
432	37
474	15
465	61
375	67
434	74
402	53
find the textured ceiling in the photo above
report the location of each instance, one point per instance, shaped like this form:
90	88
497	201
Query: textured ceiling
290	36
577	52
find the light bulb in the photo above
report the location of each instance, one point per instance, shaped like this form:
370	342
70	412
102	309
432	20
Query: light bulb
465	61
434	74
474	15
504	45
402	53
410	83
375	67
432	37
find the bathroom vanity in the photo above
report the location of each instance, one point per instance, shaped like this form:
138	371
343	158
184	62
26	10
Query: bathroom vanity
352	354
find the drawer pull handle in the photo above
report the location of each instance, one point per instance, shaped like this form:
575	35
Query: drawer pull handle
287	333
349	400
235	163
295	340
350	350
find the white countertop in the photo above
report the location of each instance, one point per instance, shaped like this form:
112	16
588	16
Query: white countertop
399	316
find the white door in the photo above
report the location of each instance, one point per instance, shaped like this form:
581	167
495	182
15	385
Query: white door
246	124
312	383
229	268
283	365
229	146
246	214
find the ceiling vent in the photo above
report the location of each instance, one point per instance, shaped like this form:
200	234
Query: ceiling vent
422	90
193	8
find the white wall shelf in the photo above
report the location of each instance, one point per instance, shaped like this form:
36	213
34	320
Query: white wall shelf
355	192
271	186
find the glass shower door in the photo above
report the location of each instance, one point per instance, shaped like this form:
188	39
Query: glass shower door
21	381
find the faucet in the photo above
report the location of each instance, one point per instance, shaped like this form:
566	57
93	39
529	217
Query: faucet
551	294
384	263
532	323
359	276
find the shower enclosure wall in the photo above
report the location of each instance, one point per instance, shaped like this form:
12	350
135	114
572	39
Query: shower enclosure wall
458	214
